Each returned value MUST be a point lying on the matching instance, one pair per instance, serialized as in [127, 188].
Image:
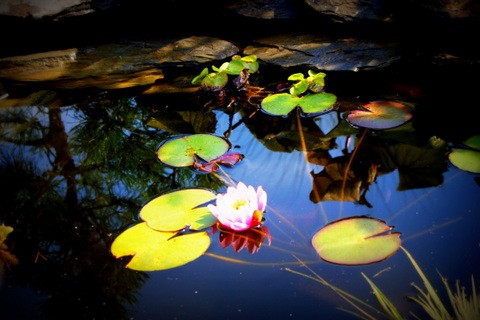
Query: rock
[312, 51]
[50, 8]
[113, 66]
[352, 10]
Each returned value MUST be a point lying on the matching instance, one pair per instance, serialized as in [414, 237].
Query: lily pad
[175, 210]
[181, 151]
[356, 241]
[380, 115]
[319, 102]
[280, 104]
[158, 250]
[467, 159]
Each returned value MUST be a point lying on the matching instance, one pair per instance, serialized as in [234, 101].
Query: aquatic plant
[467, 156]
[306, 93]
[217, 79]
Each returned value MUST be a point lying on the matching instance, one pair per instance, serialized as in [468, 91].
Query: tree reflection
[68, 192]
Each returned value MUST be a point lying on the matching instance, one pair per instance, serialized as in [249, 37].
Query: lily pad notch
[354, 241]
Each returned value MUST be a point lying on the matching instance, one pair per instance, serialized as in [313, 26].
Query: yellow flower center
[239, 203]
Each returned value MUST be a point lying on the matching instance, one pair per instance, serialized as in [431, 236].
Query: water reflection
[76, 171]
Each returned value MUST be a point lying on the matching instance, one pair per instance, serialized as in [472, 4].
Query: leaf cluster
[218, 78]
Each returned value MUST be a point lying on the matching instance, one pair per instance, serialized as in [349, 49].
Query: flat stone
[111, 66]
[312, 51]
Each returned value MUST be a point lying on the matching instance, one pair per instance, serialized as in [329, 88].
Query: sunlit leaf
[158, 250]
[250, 62]
[296, 77]
[380, 115]
[181, 152]
[299, 87]
[215, 81]
[316, 81]
[198, 79]
[234, 67]
[473, 142]
[467, 160]
[175, 210]
[356, 241]
[280, 104]
[316, 103]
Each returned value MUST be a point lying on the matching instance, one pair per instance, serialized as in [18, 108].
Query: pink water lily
[241, 208]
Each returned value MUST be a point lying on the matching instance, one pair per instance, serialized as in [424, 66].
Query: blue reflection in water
[439, 228]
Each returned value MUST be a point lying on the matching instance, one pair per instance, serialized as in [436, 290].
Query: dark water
[78, 166]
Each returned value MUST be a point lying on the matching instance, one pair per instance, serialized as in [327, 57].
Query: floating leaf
[279, 104]
[181, 152]
[380, 115]
[356, 241]
[158, 250]
[467, 159]
[175, 210]
[282, 104]
[316, 103]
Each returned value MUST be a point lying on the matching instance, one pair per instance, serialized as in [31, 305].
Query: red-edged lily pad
[158, 250]
[380, 115]
[356, 241]
[467, 159]
[183, 151]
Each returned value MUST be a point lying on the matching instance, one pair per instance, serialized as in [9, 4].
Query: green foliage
[158, 242]
[356, 241]
[182, 151]
[218, 78]
[467, 158]
[307, 93]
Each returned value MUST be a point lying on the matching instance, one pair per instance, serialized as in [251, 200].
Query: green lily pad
[157, 250]
[473, 142]
[316, 103]
[380, 115]
[356, 241]
[467, 159]
[181, 152]
[280, 104]
[175, 210]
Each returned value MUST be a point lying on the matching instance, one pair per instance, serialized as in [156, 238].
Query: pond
[78, 166]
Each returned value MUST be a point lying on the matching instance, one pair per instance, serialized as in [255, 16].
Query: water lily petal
[240, 208]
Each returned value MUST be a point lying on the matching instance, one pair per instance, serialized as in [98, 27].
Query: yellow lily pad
[158, 250]
[175, 210]
[467, 159]
[356, 241]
